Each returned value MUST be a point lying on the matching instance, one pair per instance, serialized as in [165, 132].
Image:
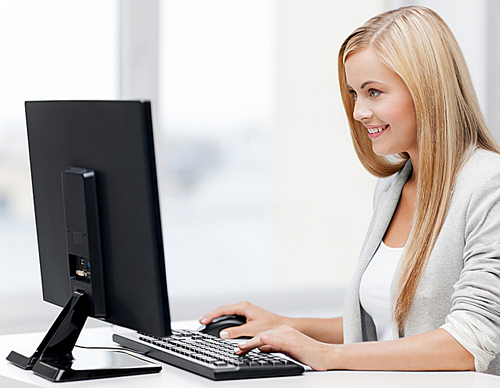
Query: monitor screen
[114, 140]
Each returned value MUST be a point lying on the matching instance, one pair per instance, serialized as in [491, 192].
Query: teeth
[377, 130]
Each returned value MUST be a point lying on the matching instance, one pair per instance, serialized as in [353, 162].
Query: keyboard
[209, 356]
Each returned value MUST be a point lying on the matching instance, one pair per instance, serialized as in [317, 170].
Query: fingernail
[203, 320]
[238, 349]
[224, 334]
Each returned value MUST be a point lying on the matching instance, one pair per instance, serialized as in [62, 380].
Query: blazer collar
[387, 206]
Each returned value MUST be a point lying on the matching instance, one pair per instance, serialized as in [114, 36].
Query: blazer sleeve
[475, 315]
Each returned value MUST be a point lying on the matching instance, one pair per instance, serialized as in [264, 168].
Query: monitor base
[54, 358]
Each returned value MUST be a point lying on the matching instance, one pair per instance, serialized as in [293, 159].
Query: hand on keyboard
[209, 356]
[293, 343]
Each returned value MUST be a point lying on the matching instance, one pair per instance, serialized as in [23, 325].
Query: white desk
[171, 377]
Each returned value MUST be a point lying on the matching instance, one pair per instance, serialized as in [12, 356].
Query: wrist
[328, 357]
[287, 321]
[334, 356]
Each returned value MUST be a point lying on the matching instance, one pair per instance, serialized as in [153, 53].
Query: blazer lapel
[387, 201]
[383, 215]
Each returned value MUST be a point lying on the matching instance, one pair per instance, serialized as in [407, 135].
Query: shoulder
[481, 166]
[481, 170]
[477, 188]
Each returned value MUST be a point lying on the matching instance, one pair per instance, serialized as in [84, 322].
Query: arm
[435, 350]
[259, 320]
[328, 330]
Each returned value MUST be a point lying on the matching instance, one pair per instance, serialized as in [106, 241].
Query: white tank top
[375, 287]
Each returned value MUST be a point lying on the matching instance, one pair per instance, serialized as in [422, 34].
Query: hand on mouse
[258, 319]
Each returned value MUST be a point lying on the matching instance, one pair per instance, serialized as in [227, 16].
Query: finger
[219, 311]
[269, 349]
[270, 343]
[235, 332]
[245, 347]
[231, 309]
[258, 341]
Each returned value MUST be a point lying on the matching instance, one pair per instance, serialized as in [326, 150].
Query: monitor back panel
[115, 139]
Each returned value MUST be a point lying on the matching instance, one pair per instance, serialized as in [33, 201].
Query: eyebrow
[367, 83]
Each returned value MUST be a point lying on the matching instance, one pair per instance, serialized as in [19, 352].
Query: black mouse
[223, 322]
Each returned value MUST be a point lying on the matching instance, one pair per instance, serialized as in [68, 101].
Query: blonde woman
[426, 293]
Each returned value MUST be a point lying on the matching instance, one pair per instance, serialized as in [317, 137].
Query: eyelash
[371, 92]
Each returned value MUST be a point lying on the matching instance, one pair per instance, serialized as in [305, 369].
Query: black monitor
[98, 227]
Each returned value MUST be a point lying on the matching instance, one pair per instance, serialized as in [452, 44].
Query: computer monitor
[98, 226]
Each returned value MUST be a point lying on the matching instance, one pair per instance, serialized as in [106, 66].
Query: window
[217, 69]
[50, 49]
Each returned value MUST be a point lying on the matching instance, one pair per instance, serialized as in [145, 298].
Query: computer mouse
[218, 324]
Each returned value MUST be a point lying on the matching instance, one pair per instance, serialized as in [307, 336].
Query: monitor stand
[54, 360]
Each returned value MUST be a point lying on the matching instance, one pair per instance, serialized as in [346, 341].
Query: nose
[361, 111]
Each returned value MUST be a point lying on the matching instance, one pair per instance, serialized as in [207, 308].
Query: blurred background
[262, 195]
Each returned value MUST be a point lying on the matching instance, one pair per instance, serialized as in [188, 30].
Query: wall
[321, 195]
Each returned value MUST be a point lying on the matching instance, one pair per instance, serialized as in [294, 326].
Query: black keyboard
[209, 356]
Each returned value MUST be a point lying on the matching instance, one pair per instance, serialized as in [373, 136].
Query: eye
[353, 94]
[374, 92]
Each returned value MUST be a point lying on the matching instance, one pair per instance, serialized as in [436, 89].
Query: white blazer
[462, 276]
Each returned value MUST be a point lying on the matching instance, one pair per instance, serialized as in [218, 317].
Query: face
[383, 104]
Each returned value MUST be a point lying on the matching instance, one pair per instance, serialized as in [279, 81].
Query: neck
[414, 161]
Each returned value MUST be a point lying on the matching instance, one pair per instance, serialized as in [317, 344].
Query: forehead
[364, 66]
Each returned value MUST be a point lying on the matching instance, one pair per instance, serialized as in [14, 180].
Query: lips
[374, 132]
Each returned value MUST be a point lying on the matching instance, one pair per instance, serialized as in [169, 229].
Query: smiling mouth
[376, 130]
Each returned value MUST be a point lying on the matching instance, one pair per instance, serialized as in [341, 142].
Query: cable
[123, 350]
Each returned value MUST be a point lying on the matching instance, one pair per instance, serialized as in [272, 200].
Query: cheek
[402, 114]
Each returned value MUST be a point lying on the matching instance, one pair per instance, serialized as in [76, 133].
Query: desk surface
[174, 377]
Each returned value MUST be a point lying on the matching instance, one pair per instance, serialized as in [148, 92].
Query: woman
[426, 293]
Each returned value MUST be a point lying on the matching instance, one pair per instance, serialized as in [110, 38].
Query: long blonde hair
[417, 44]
